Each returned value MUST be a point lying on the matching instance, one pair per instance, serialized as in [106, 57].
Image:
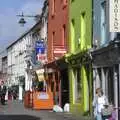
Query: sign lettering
[114, 15]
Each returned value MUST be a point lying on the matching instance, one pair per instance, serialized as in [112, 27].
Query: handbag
[107, 111]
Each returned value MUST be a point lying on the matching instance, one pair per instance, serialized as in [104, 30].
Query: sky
[10, 30]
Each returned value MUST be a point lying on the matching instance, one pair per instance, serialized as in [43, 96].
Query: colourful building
[56, 68]
[80, 36]
[106, 53]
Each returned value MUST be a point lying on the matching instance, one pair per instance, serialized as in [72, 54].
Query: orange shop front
[42, 96]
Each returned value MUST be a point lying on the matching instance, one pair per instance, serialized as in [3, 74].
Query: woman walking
[98, 103]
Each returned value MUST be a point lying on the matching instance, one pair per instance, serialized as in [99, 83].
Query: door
[64, 87]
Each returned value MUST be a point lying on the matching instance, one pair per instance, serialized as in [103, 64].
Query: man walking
[2, 92]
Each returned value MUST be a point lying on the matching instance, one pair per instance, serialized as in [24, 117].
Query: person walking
[2, 92]
[98, 103]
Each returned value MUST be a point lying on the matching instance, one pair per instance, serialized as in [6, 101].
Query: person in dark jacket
[2, 92]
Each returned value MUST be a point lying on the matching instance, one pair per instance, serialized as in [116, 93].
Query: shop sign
[114, 15]
[43, 96]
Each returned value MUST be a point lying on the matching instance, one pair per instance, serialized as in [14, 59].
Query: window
[52, 86]
[64, 3]
[72, 1]
[53, 42]
[63, 35]
[53, 7]
[110, 85]
[53, 37]
[103, 24]
[83, 30]
[72, 34]
[78, 85]
[99, 77]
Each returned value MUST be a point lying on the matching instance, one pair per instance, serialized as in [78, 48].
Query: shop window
[78, 85]
[57, 81]
[53, 8]
[110, 85]
[41, 86]
[99, 73]
[52, 86]
[103, 23]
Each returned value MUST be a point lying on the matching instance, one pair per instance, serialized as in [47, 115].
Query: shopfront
[42, 96]
[106, 72]
[80, 72]
[57, 81]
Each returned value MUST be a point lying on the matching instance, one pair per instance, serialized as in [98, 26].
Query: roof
[24, 34]
[3, 53]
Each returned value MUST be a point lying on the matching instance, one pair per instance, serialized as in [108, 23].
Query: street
[15, 110]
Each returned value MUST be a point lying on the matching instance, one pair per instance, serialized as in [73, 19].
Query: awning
[57, 64]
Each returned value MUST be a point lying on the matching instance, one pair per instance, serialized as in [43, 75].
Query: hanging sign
[114, 15]
[40, 51]
[40, 47]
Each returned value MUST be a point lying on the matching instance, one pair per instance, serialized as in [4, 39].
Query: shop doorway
[64, 87]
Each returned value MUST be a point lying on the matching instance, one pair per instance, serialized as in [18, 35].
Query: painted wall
[80, 30]
[80, 39]
[97, 29]
[56, 21]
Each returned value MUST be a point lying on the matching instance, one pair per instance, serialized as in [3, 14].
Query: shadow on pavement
[18, 117]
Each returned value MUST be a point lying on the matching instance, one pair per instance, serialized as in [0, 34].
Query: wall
[77, 42]
[97, 22]
[16, 59]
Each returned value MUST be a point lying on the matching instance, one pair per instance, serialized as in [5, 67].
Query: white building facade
[17, 63]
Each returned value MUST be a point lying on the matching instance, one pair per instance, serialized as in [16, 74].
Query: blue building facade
[105, 54]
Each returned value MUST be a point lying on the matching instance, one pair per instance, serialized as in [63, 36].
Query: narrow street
[16, 111]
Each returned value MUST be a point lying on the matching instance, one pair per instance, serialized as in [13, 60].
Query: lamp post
[22, 21]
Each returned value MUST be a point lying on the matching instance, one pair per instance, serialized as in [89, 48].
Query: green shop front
[80, 83]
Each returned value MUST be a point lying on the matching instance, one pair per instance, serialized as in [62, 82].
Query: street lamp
[22, 20]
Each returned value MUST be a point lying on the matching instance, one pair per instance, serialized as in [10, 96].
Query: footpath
[14, 110]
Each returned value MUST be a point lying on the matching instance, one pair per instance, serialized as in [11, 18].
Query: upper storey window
[53, 7]
[72, 1]
[103, 24]
[64, 3]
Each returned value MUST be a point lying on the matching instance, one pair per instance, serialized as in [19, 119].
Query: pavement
[14, 110]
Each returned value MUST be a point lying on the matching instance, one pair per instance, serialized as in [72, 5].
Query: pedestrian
[98, 103]
[2, 92]
[14, 94]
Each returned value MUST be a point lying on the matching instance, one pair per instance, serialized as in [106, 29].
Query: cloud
[10, 30]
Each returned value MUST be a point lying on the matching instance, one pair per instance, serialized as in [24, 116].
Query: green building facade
[80, 39]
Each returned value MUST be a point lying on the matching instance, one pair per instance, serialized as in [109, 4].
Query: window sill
[53, 15]
[64, 5]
